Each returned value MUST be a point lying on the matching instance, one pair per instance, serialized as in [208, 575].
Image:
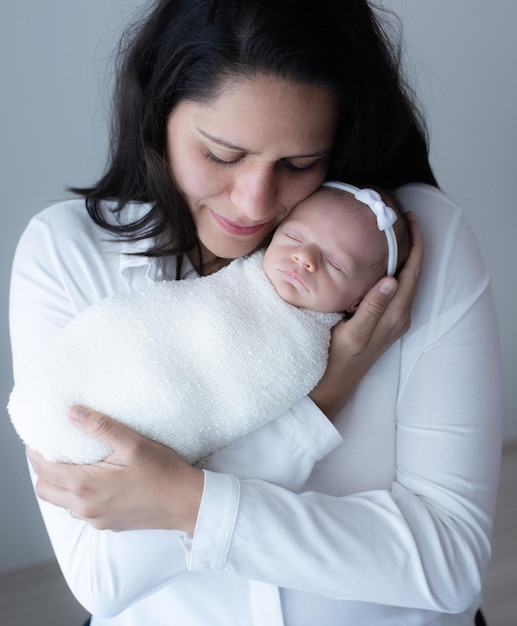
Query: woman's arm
[419, 537]
[41, 287]
[98, 565]
[282, 453]
[421, 540]
[50, 286]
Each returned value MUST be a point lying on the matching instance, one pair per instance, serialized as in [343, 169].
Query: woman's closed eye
[299, 168]
[222, 162]
[285, 163]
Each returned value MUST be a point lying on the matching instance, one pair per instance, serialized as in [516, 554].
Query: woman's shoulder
[446, 229]
[449, 240]
[63, 224]
[67, 226]
[57, 228]
[63, 245]
[72, 214]
[432, 205]
[454, 274]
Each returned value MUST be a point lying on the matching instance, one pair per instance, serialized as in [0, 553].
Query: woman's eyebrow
[230, 146]
[221, 142]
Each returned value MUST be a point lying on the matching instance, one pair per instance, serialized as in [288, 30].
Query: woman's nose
[256, 195]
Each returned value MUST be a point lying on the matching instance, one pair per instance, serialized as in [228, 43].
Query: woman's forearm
[430, 529]
[97, 563]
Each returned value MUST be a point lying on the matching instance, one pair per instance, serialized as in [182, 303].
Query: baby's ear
[351, 310]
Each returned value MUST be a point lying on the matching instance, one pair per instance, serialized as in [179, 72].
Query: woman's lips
[236, 229]
[295, 278]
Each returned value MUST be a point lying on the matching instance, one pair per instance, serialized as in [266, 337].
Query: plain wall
[55, 86]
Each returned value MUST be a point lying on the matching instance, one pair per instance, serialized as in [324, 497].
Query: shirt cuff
[313, 428]
[208, 548]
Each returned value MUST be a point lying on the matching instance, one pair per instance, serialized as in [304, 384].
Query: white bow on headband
[385, 215]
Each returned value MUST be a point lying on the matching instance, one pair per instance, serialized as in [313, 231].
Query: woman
[229, 113]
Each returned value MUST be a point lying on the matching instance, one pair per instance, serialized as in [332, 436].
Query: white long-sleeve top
[383, 517]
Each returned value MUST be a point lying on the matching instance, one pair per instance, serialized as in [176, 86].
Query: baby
[330, 251]
[232, 355]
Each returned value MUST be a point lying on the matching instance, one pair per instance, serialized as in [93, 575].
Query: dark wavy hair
[186, 49]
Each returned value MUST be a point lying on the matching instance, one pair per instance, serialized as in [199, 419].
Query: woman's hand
[383, 316]
[142, 484]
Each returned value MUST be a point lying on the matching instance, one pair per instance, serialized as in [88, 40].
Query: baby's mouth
[295, 278]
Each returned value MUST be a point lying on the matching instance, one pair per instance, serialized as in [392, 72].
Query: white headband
[386, 217]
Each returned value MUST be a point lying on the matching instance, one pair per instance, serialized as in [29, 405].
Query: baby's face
[327, 253]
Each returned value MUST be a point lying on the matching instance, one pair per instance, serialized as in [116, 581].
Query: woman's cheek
[304, 186]
[199, 180]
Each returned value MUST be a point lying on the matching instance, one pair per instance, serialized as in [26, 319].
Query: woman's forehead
[253, 113]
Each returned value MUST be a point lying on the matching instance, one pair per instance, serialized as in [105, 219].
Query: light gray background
[55, 85]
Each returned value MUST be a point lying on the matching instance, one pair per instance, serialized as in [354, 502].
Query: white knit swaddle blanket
[193, 364]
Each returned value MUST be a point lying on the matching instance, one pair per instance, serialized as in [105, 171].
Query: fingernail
[388, 287]
[78, 413]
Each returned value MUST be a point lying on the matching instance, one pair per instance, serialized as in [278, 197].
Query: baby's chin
[286, 291]
[292, 297]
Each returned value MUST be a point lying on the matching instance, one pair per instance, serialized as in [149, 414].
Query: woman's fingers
[119, 438]
[141, 484]
[57, 483]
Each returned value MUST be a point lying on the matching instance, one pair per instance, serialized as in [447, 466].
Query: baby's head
[330, 251]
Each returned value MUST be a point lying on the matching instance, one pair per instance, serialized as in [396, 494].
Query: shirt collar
[137, 270]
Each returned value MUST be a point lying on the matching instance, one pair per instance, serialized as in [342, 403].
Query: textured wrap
[193, 364]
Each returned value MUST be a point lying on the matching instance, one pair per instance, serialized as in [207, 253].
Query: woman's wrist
[184, 506]
[335, 388]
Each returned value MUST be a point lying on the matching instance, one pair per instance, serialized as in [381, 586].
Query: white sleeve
[109, 571]
[283, 451]
[424, 542]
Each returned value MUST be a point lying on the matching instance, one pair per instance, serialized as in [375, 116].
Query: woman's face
[245, 159]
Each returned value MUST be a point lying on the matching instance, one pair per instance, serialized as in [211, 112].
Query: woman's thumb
[98, 425]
